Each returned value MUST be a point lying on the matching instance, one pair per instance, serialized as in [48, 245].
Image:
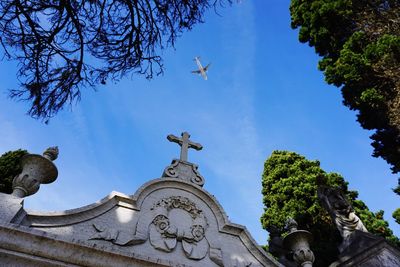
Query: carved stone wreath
[165, 231]
[175, 219]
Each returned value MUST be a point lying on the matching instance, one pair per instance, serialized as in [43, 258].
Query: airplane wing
[196, 71]
[206, 67]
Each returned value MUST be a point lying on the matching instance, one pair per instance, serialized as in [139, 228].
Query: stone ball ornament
[36, 170]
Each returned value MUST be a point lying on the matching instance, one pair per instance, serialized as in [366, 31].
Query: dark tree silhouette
[9, 168]
[63, 45]
[359, 42]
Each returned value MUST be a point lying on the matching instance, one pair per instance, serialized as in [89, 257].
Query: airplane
[202, 70]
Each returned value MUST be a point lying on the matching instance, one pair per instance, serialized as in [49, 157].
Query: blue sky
[264, 93]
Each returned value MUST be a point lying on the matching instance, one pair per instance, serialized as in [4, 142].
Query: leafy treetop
[289, 188]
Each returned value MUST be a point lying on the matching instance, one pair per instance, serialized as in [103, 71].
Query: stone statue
[342, 214]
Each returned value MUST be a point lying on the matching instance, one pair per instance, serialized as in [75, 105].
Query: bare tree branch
[64, 45]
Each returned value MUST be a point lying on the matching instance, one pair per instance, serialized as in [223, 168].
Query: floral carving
[161, 222]
[167, 230]
[197, 232]
[164, 235]
[178, 202]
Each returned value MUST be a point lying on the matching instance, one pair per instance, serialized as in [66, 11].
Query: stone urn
[298, 242]
[36, 170]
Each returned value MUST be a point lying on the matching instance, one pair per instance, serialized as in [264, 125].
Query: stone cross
[185, 144]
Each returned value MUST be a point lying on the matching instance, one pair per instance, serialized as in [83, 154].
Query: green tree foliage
[9, 168]
[359, 42]
[397, 189]
[396, 215]
[290, 184]
[62, 46]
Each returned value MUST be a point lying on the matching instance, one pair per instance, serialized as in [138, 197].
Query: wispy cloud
[234, 153]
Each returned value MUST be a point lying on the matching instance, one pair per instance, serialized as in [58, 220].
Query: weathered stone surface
[298, 243]
[36, 170]
[342, 214]
[185, 144]
[368, 250]
[23, 246]
[10, 207]
[167, 222]
[184, 170]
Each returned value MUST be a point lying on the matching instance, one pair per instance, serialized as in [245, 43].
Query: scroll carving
[185, 171]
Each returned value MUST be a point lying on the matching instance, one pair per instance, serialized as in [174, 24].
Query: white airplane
[202, 70]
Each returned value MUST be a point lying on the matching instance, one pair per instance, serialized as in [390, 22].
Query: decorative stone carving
[36, 170]
[185, 171]
[176, 220]
[216, 256]
[181, 168]
[303, 256]
[170, 221]
[298, 241]
[25, 185]
[117, 237]
[189, 229]
[342, 214]
[237, 263]
[51, 153]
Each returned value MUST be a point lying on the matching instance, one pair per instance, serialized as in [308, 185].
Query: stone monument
[342, 214]
[169, 221]
[358, 247]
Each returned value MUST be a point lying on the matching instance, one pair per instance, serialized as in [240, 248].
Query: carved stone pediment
[169, 221]
[176, 221]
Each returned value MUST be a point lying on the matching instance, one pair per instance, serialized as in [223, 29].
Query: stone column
[36, 170]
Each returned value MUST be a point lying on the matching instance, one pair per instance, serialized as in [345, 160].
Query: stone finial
[291, 225]
[275, 247]
[36, 170]
[298, 241]
[51, 153]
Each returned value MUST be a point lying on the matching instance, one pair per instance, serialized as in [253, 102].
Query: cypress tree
[289, 188]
